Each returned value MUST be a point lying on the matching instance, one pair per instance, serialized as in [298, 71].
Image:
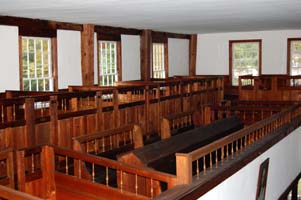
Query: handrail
[122, 170]
[224, 148]
[11, 194]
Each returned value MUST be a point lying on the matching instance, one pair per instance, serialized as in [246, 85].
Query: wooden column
[192, 54]
[146, 54]
[87, 54]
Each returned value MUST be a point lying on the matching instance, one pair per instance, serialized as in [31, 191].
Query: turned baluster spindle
[204, 165]
[79, 169]
[32, 163]
[121, 181]
[152, 189]
[197, 169]
[66, 165]
[14, 112]
[93, 172]
[107, 176]
[210, 161]
[2, 113]
[103, 144]
[136, 184]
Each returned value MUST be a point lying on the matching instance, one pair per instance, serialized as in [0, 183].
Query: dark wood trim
[290, 187]
[54, 63]
[108, 37]
[166, 63]
[231, 42]
[26, 25]
[162, 35]
[119, 61]
[109, 30]
[20, 63]
[192, 54]
[288, 59]
[146, 54]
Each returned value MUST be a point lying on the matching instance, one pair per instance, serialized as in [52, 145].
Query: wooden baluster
[95, 146]
[32, 163]
[103, 144]
[66, 165]
[152, 189]
[93, 172]
[236, 146]
[131, 137]
[210, 155]
[227, 151]
[81, 102]
[136, 184]
[197, 168]
[87, 147]
[204, 165]
[2, 113]
[232, 149]
[14, 112]
[121, 181]
[107, 176]
[79, 169]
[124, 139]
[88, 101]
[111, 143]
[222, 154]
[216, 159]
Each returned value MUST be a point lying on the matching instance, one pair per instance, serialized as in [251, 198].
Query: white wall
[95, 59]
[130, 54]
[69, 58]
[9, 57]
[284, 166]
[213, 50]
[178, 57]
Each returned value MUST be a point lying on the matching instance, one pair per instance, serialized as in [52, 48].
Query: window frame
[109, 38]
[53, 43]
[231, 42]
[289, 43]
[165, 57]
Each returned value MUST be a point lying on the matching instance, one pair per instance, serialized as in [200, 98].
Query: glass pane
[39, 72]
[47, 85]
[31, 45]
[38, 45]
[33, 85]
[45, 45]
[24, 58]
[41, 85]
[45, 58]
[38, 58]
[46, 71]
[24, 45]
[26, 85]
[31, 71]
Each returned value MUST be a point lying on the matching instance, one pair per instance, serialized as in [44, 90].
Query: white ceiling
[183, 16]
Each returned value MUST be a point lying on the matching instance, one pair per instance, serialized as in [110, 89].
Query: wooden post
[30, 122]
[99, 110]
[184, 168]
[87, 54]
[137, 136]
[53, 121]
[146, 110]
[48, 168]
[116, 108]
[165, 129]
[207, 115]
[146, 54]
[192, 54]
[21, 170]
[10, 170]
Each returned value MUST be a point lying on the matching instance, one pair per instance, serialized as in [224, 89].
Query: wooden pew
[161, 155]
[179, 122]
[110, 142]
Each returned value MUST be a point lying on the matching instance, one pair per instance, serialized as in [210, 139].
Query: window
[158, 60]
[294, 56]
[108, 63]
[245, 59]
[36, 68]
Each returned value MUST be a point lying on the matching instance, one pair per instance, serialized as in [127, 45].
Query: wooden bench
[110, 142]
[179, 122]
